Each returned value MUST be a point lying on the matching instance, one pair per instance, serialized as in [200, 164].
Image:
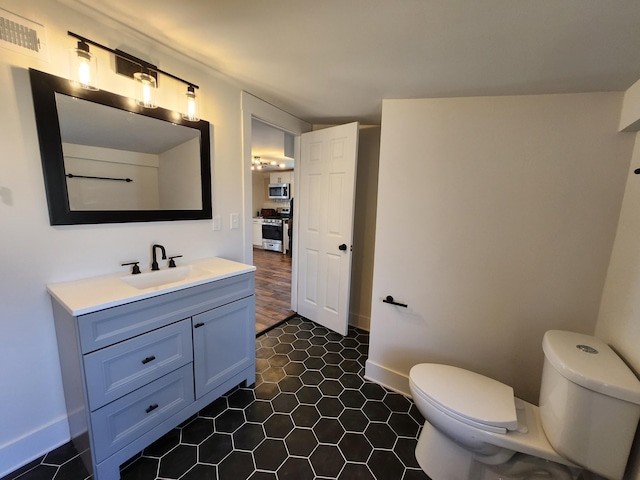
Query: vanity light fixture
[84, 67]
[144, 73]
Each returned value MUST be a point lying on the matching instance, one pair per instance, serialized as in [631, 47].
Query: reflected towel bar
[71, 175]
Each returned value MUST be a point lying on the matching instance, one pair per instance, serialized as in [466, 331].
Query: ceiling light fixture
[144, 73]
[258, 164]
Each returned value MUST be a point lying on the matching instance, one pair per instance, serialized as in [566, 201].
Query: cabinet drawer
[106, 327]
[129, 417]
[119, 369]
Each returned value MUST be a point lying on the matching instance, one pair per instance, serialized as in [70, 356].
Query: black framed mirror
[107, 160]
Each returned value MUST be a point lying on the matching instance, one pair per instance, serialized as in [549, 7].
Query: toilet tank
[589, 402]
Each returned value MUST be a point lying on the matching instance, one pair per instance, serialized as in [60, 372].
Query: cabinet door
[223, 343]
[257, 233]
[280, 177]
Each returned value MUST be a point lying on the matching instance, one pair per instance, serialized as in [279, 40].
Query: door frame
[253, 107]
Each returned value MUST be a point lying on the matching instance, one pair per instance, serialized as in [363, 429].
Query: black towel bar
[390, 300]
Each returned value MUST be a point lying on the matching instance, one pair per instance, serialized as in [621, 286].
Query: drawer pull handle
[151, 408]
[198, 325]
[148, 359]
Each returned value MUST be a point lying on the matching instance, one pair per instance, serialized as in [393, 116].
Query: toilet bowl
[476, 429]
[442, 459]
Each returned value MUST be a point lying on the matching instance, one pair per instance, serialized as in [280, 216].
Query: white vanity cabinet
[134, 371]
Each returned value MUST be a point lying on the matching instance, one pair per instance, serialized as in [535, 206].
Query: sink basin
[158, 278]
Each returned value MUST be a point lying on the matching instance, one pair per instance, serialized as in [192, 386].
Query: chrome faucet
[154, 264]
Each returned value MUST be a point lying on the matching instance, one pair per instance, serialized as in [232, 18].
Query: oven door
[271, 231]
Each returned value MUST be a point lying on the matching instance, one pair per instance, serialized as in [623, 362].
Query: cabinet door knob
[151, 408]
[148, 359]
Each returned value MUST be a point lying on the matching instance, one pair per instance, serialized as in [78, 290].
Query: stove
[272, 234]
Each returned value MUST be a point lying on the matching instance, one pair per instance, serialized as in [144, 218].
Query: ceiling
[332, 61]
[268, 147]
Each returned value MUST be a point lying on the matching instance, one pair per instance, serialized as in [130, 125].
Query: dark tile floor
[310, 415]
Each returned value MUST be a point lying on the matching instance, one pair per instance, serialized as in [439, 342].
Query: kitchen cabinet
[134, 371]
[281, 177]
[257, 232]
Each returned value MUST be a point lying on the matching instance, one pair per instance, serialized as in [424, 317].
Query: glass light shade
[191, 110]
[84, 67]
[146, 90]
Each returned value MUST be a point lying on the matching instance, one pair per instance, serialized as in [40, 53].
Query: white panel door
[325, 224]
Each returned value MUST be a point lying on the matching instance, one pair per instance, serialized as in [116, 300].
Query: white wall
[618, 322]
[496, 219]
[93, 194]
[179, 177]
[32, 411]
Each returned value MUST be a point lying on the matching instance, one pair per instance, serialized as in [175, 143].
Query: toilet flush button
[586, 349]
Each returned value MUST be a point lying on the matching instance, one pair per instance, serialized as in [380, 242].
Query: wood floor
[273, 288]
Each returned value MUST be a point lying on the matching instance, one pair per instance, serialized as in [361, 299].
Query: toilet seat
[470, 398]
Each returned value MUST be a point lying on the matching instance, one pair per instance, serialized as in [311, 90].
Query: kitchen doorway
[272, 193]
[254, 108]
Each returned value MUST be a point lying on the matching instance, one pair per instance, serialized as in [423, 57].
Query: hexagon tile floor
[310, 415]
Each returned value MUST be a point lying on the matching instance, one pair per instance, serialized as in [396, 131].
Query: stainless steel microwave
[279, 191]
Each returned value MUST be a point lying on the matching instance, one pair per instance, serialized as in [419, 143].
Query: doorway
[272, 163]
[255, 108]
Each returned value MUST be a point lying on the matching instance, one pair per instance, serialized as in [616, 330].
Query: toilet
[476, 429]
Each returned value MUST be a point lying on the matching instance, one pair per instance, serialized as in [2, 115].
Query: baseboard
[360, 321]
[19, 452]
[388, 378]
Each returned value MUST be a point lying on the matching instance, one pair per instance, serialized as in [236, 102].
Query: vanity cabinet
[134, 371]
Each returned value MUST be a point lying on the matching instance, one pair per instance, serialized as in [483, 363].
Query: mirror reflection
[118, 160]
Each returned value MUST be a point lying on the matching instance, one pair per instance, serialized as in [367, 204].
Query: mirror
[107, 160]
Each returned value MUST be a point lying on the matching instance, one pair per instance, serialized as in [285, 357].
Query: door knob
[342, 247]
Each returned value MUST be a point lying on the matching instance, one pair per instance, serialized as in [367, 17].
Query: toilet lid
[468, 396]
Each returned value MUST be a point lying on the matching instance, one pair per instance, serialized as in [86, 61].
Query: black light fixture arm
[131, 58]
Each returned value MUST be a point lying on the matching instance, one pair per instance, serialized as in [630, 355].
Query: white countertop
[89, 295]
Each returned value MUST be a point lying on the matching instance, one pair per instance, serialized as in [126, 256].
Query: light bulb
[191, 112]
[146, 90]
[84, 67]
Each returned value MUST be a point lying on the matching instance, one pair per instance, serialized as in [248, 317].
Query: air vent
[24, 36]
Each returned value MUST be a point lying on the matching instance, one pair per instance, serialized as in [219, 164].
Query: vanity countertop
[89, 295]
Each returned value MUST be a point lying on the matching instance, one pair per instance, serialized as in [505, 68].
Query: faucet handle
[172, 262]
[135, 270]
